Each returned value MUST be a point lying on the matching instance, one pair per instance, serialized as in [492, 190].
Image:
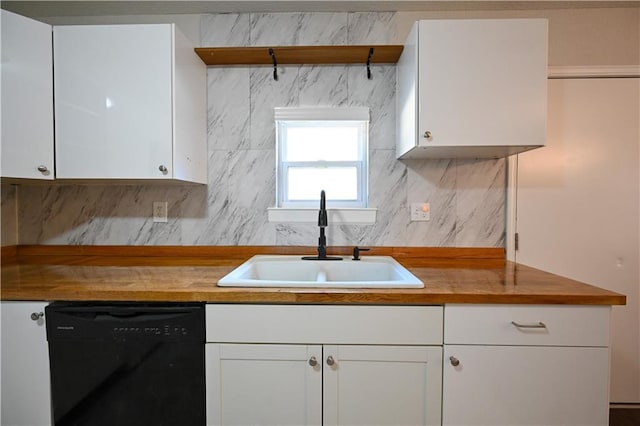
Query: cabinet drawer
[390, 325]
[527, 325]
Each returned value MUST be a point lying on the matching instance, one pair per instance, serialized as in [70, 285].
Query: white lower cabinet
[381, 385]
[26, 395]
[263, 384]
[323, 381]
[534, 365]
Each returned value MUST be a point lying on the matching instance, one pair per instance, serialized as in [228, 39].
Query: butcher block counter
[164, 273]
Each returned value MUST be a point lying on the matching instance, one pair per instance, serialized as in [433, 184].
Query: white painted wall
[578, 211]
[188, 24]
[599, 36]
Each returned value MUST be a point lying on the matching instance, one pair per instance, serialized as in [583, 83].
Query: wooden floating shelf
[288, 55]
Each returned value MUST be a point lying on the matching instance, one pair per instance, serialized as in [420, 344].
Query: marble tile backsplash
[8, 215]
[467, 197]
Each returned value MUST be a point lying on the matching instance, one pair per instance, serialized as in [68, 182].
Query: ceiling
[150, 7]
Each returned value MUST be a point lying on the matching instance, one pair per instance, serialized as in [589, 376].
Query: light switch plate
[420, 212]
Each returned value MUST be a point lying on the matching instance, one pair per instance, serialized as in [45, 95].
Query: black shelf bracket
[369, 63]
[275, 64]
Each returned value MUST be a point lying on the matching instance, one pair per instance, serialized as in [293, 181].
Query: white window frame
[285, 117]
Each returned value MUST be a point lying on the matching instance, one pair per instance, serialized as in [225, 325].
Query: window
[322, 149]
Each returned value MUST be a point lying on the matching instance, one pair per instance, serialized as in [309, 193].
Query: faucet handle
[356, 252]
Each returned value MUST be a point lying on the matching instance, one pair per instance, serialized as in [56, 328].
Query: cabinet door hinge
[516, 241]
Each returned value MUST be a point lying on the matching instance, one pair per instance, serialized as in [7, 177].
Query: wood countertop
[122, 273]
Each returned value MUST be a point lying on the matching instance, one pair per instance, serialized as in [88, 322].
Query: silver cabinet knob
[36, 315]
[43, 169]
[163, 169]
[330, 360]
[427, 135]
[454, 361]
[313, 361]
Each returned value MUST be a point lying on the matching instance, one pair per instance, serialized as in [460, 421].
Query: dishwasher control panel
[167, 330]
[125, 321]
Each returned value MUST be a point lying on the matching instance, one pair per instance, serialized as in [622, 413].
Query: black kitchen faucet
[322, 241]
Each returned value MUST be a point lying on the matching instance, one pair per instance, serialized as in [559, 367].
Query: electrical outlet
[420, 212]
[160, 211]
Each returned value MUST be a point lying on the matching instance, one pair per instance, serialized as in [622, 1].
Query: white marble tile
[206, 215]
[9, 215]
[250, 226]
[323, 86]
[64, 208]
[297, 234]
[30, 214]
[323, 29]
[267, 93]
[307, 234]
[254, 179]
[379, 95]
[387, 193]
[432, 181]
[224, 29]
[275, 29]
[480, 206]
[353, 235]
[229, 106]
[371, 27]
[251, 192]
[96, 214]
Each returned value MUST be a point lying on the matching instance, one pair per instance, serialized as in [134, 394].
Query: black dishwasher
[121, 364]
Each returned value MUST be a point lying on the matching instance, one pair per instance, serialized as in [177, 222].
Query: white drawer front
[390, 325]
[538, 325]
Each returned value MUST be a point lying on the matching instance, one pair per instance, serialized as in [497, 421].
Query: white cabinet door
[525, 385]
[331, 384]
[382, 385]
[130, 103]
[264, 384]
[27, 98]
[472, 88]
[26, 397]
[113, 100]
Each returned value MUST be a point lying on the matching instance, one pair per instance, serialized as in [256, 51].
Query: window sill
[353, 216]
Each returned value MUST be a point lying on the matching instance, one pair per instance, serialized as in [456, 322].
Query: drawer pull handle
[538, 325]
[454, 361]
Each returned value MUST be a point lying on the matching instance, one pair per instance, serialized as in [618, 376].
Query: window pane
[318, 142]
[339, 183]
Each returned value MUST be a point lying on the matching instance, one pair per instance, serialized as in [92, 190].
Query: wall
[8, 215]
[467, 197]
[577, 37]
[567, 193]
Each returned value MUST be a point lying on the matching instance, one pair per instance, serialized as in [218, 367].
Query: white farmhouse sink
[292, 271]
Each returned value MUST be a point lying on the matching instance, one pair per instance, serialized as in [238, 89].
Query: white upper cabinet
[472, 88]
[27, 98]
[130, 103]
